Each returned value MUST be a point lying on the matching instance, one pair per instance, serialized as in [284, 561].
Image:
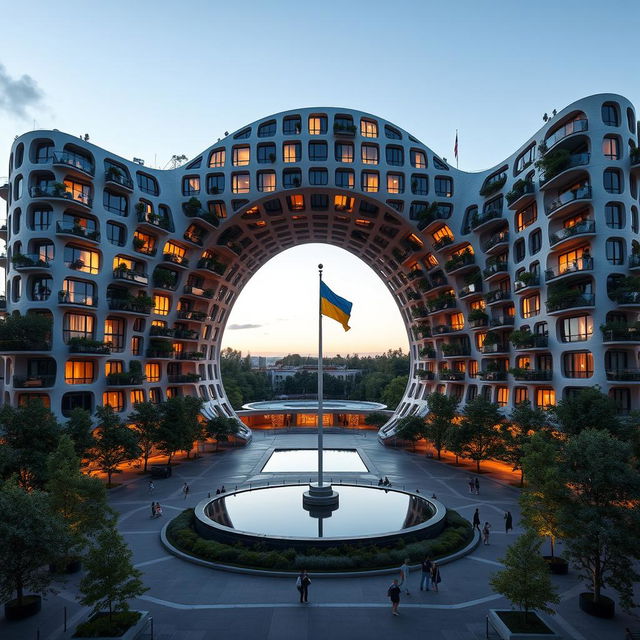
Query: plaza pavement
[190, 602]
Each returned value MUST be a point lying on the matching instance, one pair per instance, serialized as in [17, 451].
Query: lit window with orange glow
[368, 128]
[464, 251]
[523, 362]
[266, 181]
[296, 202]
[531, 306]
[113, 399]
[291, 152]
[415, 240]
[395, 183]
[162, 304]
[545, 398]
[79, 192]
[344, 152]
[473, 368]
[502, 396]
[144, 243]
[480, 338]
[520, 394]
[418, 159]
[241, 156]
[457, 321]
[481, 305]
[364, 223]
[190, 185]
[571, 260]
[121, 262]
[441, 233]
[343, 203]
[136, 396]
[317, 125]
[240, 183]
[431, 261]
[152, 371]
[526, 217]
[578, 365]
[113, 366]
[178, 347]
[173, 249]
[217, 158]
[370, 181]
[369, 154]
[79, 371]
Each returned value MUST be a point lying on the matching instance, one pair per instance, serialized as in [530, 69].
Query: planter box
[506, 634]
[557, 566]
[31, 605]
[131, 634]
[605, 608]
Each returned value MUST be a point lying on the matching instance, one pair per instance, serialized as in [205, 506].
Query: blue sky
[155, 78]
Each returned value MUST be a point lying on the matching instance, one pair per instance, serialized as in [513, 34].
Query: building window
[152, 371]
[266, 181]
[136, 345]
[114, 203]
[162, 305]
[545, 398]
[291, 178]
[344, 152]
[319, 201]
[392, 133]
[419, 185]
[266, 153]
[318, 177]
[114, 333]
[267, 129]
[114, 399]
[531, 306]
[535, 242]
[395, 182]
[295, 202]
[368, 128]
[369, 154]
[44, 153]
[612, 181]
[318, 151]
[614, 251]
[190, 185]
[81, 259]
[78, 292]
[370, 181]
[41, 288]
[41, 219]
[79, 371]
[525, 159]
[345, 178]
[610, 114]
[622, 398]
[136, 396]
[240, 183]
[291, 152]
[526, 217]
[611, 147]
[577, 328]
[502, 396]
[155, 395]
[78, 325]
[291, 126]
[578, 365]
[520, 394]
[116, 234]
[147, 184]
[217, 158]
[613, 215]
[418, 159]
[443, 186]
[395, 156]
[317, 125]
[241, 156]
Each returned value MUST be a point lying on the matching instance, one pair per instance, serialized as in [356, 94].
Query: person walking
[425, 566]
[471, 486]
[302, 584]
[394, 595]
[151, 486]
[508, 522]
[485, 532]
[153, 509]
[476, 520]
[477, 486]
[158, 510]
[435, 576]
[404, 576]
[185, 490]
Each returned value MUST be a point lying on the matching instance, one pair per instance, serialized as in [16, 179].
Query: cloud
[17, 95]
[235, 327]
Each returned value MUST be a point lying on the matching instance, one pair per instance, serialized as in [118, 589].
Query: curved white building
[150, 262]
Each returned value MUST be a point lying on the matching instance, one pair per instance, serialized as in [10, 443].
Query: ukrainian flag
[334, 306]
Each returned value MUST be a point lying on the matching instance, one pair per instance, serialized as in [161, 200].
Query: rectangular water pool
[306, 460]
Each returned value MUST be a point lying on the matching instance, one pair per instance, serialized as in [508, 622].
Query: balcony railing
[622, 375]
[197, 316]
[498, 347]
[94, 347]
[634, 261]
[575, 266]
[627, 297]
[125, 304]
[526, 188]
[449, 350]
[470, 289]
[490, 214]
[78, 230]
[492, 375]
[574, 160]
[502, 321]
[70, 297]
[154, 219]
[176, 259]
[495, 239]
[459, 261]
[75, 160]
[454, 376]
[197, 291]
[440, 329]
[620, 333]
[118, 178]
[183, 378]
[497, 295]
[575, 126]
[582, 192]
[586, 226]
[443, 242]
[210, 264]
[80, 197]
[496, 267]
[533, 342]
[533, 374]
[33, 381]
[130, 275]
[30, 260]
[583, 300]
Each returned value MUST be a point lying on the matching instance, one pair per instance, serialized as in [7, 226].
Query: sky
[155, 78]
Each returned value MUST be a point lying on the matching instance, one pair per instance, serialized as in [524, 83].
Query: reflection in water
[306, 460]
[277, 511]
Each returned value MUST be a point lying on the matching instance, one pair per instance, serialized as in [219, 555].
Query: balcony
[189, 355]
[496, 241]
[495, 269]
[33, 381]
[428, 353]
[347, 130]
[569, 129]
[624, 375]
[88, 346]
[131, 305]
[490, 217]
[460, 262]
[492, 376]
[152, 220]
[521, 195]
[455, 350]
[423, 374]
[494, 348]
[627, 298]
[74, 161]
[451, 376]
[176, 259]
[442, 243]
[526, 282]
[497, 295]
[194, 316]
[183, 378]
[78, 231]
[57, 191]
[532, 375]
[79, 299]
[214, 266]
[162, 332]
[575, 267]
[527, 342]
[124, 379]
[571, 301]
[131, 275]
[419, 312]
[29, 261]
[586, 227]
[191, 210]
[502, 322]
[569, 200]
[441, 329]
[473, 289]
[634, 261]
[116, 178]
[442, 302]
[565, 168]
[197, 292]
[11, 346]
[620, 332]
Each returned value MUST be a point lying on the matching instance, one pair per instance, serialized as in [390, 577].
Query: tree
[601, 519]
[179, 425]
[78, 499]
[454, 439]
[115, 442]
[588, 409]
[111, 579]
[32, 535]
[221, 428]
[479, 434]
[442, 411]
[394, 391]
[31, 432]
[80, 428]
[525, 579]
[145, 420]
[523, 422]
[376, 419]
[410, 428]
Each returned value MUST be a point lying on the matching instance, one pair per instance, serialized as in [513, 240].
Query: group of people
[384, 482]
[429, 577]
[156, 510]
[220, 490]
[486, 529]
[474, 486]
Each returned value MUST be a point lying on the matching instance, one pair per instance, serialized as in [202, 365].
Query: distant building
[278, 374]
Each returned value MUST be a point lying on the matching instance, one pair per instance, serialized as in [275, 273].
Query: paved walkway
[189, 602]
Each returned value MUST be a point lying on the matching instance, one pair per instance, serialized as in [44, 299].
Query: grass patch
[456, 535]
[99, 627]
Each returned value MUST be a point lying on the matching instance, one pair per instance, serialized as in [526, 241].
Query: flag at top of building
[333, 306]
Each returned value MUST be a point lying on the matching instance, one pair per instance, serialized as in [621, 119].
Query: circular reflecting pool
[277, 512]
[306, 460]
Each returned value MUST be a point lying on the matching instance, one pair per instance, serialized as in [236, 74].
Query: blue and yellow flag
[334, 306]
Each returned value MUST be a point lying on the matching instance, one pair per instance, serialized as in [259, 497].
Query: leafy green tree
[454, 439]
[410, 428]
[393, 392]
[479, 430]
[145, 420]
[442, 411]
[115, 442]
[32, 535]
[31, 432]
[179, 425]
[601, 519]
[78, 499]
[523, 422]
[80, 428]
[376, 419]
[525, 579]
[111, 579]
[221, 428]
[588, 409]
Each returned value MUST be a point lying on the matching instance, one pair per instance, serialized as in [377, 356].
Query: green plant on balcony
[160, 347]
[459, 260]
[519, 372]
[626, 289]
[423, 374]
[428, 352]
[443, 301]
[420, 311]
[527, 278]
[477, 315]
[164, 278]
[490, 339]
[493, 186]
[427, 215]
[519, 188]
[553, 163]
[113, 173]
[561, 295]
[452, 349]
[138, 243]
[192, 207]
[59, 189]
[88, 345]
[344, 128]
[635, 248]
[20, 260]
[521, 337]
[423, 330]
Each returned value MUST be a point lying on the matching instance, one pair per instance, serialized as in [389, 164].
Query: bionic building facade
[517, 283]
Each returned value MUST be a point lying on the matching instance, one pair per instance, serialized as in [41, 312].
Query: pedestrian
[153, 509]
[476, 520]
[386, 482]
[508, 522]
[477, 485]
[471, 489]
[425, 565]
[404, 575]
[435, 577]
[380, 482]
[185, 490]
[158, 510]
[485, 532]
[151, 486]
[303, 583]
[218, 491]
[394, 596]
[223, 490]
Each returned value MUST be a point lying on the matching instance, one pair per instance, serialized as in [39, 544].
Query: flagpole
[320, 380]
[457, 149]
